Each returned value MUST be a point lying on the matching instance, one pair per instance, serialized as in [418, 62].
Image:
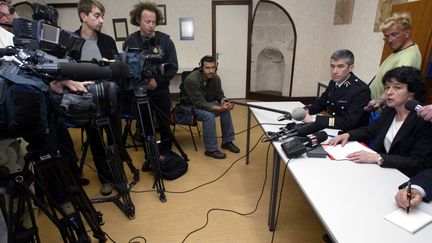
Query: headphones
[207, 58]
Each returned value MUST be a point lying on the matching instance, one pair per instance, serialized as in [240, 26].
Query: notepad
[411, 222]
[339, 153]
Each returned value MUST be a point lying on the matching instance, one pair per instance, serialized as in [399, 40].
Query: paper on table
[411, 222]
[339, 153]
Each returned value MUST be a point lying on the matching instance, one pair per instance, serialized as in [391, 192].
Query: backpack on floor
[172, 165]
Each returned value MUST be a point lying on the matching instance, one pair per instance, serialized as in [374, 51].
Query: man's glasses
[393, 35]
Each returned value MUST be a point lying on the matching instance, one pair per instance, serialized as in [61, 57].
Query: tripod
[65, 197]
[115, 167]
[150, 145]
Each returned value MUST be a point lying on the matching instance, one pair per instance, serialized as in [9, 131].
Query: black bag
[172, 165]
[23, 108]
[183, 115]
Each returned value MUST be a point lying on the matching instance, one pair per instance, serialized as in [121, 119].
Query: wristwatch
[380, 161]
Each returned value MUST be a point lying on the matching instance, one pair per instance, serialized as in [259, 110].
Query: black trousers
[160, 106]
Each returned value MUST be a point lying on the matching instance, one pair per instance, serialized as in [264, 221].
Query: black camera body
[144, 64]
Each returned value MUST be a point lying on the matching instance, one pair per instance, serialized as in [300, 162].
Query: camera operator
[43, 142]
[147, 16]
[98, 46]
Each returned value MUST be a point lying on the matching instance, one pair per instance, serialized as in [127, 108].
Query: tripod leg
[70, 201]
[116, 169]
[150, 146]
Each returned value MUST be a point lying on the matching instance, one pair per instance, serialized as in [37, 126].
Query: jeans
[209, 127]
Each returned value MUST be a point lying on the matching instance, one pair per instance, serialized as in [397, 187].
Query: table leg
[248, 135]
[274, 191]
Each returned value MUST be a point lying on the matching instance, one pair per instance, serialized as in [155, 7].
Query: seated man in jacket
[344, 98]
[202, 88]
[421, 189]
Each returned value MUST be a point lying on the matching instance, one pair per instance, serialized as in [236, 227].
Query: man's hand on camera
[152, 85]
[74, 86]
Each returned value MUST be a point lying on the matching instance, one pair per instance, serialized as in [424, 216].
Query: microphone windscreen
[412, 105]
[299, 114]
[309, 129]
[120, 70]
[83, 71]
[321, 136]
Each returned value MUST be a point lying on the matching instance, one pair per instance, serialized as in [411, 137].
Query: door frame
[249, 33]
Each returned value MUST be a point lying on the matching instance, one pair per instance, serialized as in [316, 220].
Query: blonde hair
[403, 18]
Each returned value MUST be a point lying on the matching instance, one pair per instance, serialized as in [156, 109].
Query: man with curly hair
[147, 16]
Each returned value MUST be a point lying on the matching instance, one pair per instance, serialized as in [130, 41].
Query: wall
[317, 36]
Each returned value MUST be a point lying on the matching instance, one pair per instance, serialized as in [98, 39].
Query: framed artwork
[120, 29]
[162, 8]
[343, 12]
[384, 11]
[187, 28]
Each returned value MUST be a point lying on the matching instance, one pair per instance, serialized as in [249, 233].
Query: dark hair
[207, 58]
[135, 13]
[343, 54]
[410, 76]
[85, 6]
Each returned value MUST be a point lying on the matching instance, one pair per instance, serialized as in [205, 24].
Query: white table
[350, 199]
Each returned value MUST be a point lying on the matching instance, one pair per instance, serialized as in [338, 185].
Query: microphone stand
[286, 113]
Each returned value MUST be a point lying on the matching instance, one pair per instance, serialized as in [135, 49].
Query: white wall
[317, 37]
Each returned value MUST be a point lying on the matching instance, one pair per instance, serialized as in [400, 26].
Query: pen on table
[409, 197]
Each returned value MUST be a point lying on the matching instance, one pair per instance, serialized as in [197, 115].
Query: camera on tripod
[144, 64]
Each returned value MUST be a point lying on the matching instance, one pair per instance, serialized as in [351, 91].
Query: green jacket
[202, 94]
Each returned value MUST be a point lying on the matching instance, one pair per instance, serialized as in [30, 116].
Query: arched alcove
[273, 50]
[270, 71]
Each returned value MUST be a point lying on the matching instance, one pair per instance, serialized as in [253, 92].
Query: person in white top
[401, 139]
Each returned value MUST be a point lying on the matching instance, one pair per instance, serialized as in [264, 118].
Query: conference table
[350, 199]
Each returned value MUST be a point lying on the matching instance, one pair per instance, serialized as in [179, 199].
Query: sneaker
[106, 189]
[231, 147]
[215, 154]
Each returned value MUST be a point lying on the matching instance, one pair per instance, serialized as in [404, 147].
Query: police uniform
[343, 104]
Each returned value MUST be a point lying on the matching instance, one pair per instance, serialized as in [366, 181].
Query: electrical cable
[233, 211]
[214, 180]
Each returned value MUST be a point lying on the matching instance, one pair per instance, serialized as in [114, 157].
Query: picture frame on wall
[162, 8]
[121, 31]
[187, 28]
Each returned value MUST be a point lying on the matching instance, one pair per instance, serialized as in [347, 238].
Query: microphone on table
[300, 131]
[299, 146]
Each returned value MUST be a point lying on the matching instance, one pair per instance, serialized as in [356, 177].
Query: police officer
[344, 98]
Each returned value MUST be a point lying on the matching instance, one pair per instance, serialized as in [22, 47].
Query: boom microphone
[120, 70]
[287, 115]
[84, 71]
[413, 105]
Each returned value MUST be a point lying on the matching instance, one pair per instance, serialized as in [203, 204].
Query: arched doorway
[272, 55]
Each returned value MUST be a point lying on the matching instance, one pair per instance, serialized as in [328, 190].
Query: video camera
[40, 57]
[144, 64]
